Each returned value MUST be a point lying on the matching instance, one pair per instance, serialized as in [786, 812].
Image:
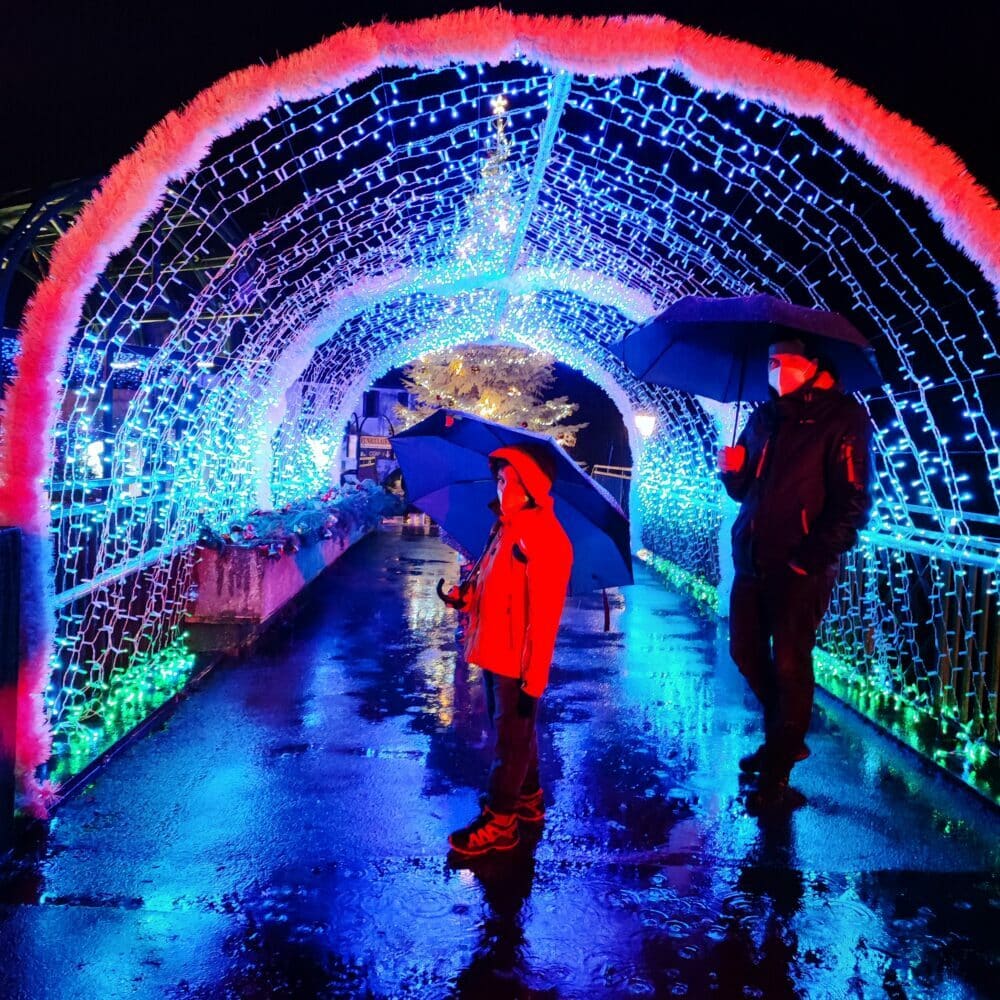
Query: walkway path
[283, 835]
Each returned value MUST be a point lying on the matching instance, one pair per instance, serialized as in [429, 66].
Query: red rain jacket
[516, 593]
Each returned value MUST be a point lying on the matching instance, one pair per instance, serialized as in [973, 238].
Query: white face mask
[790, 373]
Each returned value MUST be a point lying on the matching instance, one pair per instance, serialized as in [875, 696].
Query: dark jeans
[515, 755]
[773, 618]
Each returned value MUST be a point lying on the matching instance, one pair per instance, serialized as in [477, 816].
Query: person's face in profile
[510, 490]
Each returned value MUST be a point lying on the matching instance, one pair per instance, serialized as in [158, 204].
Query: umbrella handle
[450, 601]
[739, 394]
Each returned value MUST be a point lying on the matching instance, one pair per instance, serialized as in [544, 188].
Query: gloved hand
[731, 459]
[525, 704]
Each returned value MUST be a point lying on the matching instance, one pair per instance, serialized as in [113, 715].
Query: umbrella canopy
[446, 471]
[718, 347]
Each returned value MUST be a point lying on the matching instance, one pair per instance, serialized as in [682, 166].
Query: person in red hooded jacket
[514, 598]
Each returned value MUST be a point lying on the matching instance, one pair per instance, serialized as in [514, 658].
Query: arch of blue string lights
[412, 211]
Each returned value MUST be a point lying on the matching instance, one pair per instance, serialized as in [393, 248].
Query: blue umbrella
[717, 347]
[445, 464]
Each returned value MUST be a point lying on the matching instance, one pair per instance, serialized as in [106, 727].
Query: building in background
[367, 451]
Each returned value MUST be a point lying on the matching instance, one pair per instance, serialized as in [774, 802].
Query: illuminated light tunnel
[300, 229]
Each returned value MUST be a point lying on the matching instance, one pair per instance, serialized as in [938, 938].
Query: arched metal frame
[677, 163]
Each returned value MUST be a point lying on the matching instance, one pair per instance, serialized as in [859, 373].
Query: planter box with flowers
[246, 575]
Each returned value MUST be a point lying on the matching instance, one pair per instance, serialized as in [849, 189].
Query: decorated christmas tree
[488, 225]
[505, 384]
[501, 383]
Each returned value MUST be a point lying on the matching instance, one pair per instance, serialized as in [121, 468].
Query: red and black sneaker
[489, 831]
[528, 808]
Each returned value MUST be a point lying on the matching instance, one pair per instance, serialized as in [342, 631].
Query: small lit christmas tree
[492, 212]
[505, 384]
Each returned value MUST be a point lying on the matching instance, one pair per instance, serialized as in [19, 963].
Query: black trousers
[515, 753]
[773, 618]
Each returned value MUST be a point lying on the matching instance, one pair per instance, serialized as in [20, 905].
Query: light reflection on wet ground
[284, 833]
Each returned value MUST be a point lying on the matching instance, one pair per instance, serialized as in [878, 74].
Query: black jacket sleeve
[737, 484]
[848, 497]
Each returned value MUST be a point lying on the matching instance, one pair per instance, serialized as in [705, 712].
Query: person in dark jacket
[800, 471]
[514, 598]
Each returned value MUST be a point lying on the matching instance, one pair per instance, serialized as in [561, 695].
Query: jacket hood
[537, 481]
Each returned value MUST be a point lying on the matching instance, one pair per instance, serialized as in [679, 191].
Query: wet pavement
[283, 833]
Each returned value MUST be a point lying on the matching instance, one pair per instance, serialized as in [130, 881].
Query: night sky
[81, 82]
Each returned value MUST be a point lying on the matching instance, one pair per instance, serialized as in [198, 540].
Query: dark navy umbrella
[717, 347]
[445, 464]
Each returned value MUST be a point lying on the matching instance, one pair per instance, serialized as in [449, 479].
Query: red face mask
[788, 372]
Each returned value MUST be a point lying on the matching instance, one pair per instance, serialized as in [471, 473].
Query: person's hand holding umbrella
[453, 597]
[731, 458]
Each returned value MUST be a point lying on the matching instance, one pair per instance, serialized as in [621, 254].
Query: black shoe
[754, 762]
[757, 761]
[773, 794]
[489, 831]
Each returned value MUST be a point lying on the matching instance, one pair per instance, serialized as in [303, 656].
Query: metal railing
[612, 471]
[916, 615]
